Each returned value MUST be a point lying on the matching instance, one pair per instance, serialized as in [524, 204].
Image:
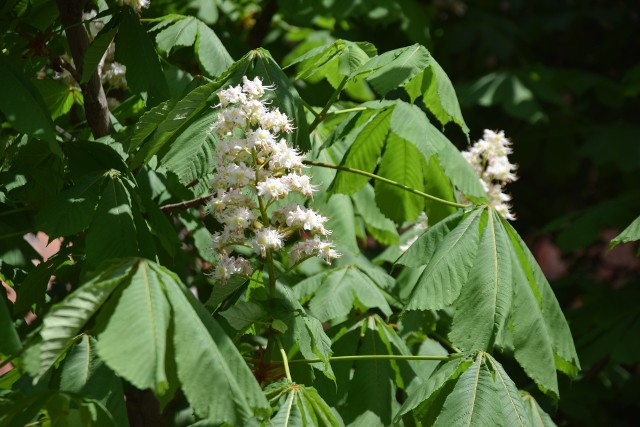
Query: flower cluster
[488, 158]
[255, 169]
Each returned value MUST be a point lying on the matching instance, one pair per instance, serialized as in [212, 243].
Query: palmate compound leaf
[416, 70]
[298, 405]
[368, 395]
[397, 142]
[179, 30]
[486, 272]
[213, 375]
[155, 326]
[333, 294]
[67, 318]
[468, 392]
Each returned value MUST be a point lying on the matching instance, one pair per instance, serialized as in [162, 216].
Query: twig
[175, 207]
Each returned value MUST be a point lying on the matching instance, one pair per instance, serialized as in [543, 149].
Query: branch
[95, 101]
[386, 181]
[174, 207]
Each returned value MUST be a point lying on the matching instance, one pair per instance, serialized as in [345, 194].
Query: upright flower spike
[488, 158]
[255, 167]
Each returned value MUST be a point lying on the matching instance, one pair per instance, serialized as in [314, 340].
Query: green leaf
[422, 250]
[10, 343]
[536, 416]
[629, 234]
[380, 378]
[304, 331]
[421, 399]
[96, 50]
[172, 123]
[336, 292]
[334, 62]
[207, 360]
[84, 373]
[402, 163]
[300, 405]
[190, 155]
[112, 233]
[541, 336]
[182, 32]
[243, 314]
[438, 184]
[379, 226]
[484, 303]
[71, 211]
[447, 271]
[135, 50]
[132, 330]
[58, 96]
[415, 69]
[395, 68]
[286, 97]
[67, 318]
[363, 153]
[211, 53]
[472, 401]
[148, 123]
[23, 106]
[513, 408]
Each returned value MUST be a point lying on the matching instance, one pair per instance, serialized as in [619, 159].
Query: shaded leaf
[132, 330]
[67, 318]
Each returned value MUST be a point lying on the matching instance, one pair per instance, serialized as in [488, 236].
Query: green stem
[309, 107]
[323, 114]
[387, 181]
[285, 360]
[346, 110]
[375, 357]
[442, 340]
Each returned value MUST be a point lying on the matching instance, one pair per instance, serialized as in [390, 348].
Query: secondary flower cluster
[488, 158]
[255, 169]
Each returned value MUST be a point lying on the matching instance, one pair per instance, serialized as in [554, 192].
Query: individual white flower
[228, 265]
[260, 138]
[266, 239]
[307, 219]
[283, 156]
[253, 87]
[314, 247]
[300, 184]
[273, 188]
[231, 95]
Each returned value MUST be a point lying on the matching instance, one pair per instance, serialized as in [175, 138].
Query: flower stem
[323, 114]
[386, 181]
[285, 360]
[374, 357]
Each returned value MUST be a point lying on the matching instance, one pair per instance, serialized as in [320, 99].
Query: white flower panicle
[255, 167]
[488, 158]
